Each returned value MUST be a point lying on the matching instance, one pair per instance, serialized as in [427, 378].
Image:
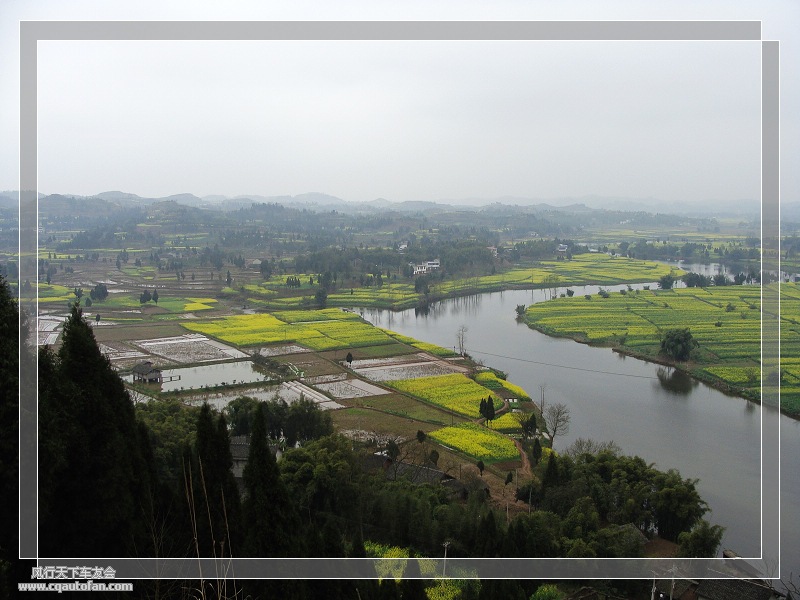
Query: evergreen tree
[490, 413]
[95, 484]
[11, 353]
[212, 495]
[272, 523]
[537, 451]
[551, 474]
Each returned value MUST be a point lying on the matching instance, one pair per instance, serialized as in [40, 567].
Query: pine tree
[551, 474]
[12, 570]
[212, 495]
[94, 478]
[272, 523]
[537, 451]
[490, 413]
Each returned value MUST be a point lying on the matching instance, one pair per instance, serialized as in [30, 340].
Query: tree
[305, 421]
[99, 292]
[392, 449]
[481, 467]
[547, 591]
[228, 279]
[95, 483]
[490, 412]
[321, 297]
[720, 279]
[155, 296]
[212, 495]
[676, 504]
[461, 340]
[11, 351]
[701, 542]
[145, 297]
[551, 282]
[666, 282]
[272, 522]
[557, 419]
[537, 451]
[349, 358]
[696, 280]
[678, 343]
[421, 436]
[240, 413]
[551, 474]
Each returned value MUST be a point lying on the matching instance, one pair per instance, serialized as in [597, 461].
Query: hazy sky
[404, 120]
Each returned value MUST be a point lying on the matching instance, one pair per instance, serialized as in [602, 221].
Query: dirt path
[526, 463]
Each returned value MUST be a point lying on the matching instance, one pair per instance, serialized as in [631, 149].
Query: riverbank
[724, 321]
[693, 370]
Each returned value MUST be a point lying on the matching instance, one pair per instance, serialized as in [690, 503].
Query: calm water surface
[648, 410]
[243, 371]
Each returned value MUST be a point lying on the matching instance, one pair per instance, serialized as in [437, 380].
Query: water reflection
[675, 381]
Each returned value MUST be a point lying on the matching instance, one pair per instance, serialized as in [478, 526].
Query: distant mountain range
[319, 201]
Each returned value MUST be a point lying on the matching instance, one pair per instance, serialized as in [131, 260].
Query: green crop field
[477, 441]
[339, 330]
[493, 382]
[455, 392]
[725, 321]
[507, 423]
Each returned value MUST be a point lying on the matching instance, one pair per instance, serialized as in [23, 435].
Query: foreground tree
[11, 354]
[271, 520]
[96, 487]
[212, 496]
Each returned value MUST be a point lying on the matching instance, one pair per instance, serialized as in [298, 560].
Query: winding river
[655, 412]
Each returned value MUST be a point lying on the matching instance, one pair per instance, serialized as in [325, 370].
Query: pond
[225, 373]
[655, 412]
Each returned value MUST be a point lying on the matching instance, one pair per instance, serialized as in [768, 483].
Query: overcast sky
[676, 121]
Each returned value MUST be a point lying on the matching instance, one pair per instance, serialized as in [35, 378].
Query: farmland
[477, 442]
[725, 322]
[329, 330]
[455, 392]
[583, 269]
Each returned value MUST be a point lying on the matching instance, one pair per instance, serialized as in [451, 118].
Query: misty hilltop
[746, 208]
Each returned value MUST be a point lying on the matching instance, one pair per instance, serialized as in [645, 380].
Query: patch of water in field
[228, 373]
[648, 410]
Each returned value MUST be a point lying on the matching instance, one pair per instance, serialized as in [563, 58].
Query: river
[655, 412]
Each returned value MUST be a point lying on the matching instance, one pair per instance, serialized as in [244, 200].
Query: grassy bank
[725, 321]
